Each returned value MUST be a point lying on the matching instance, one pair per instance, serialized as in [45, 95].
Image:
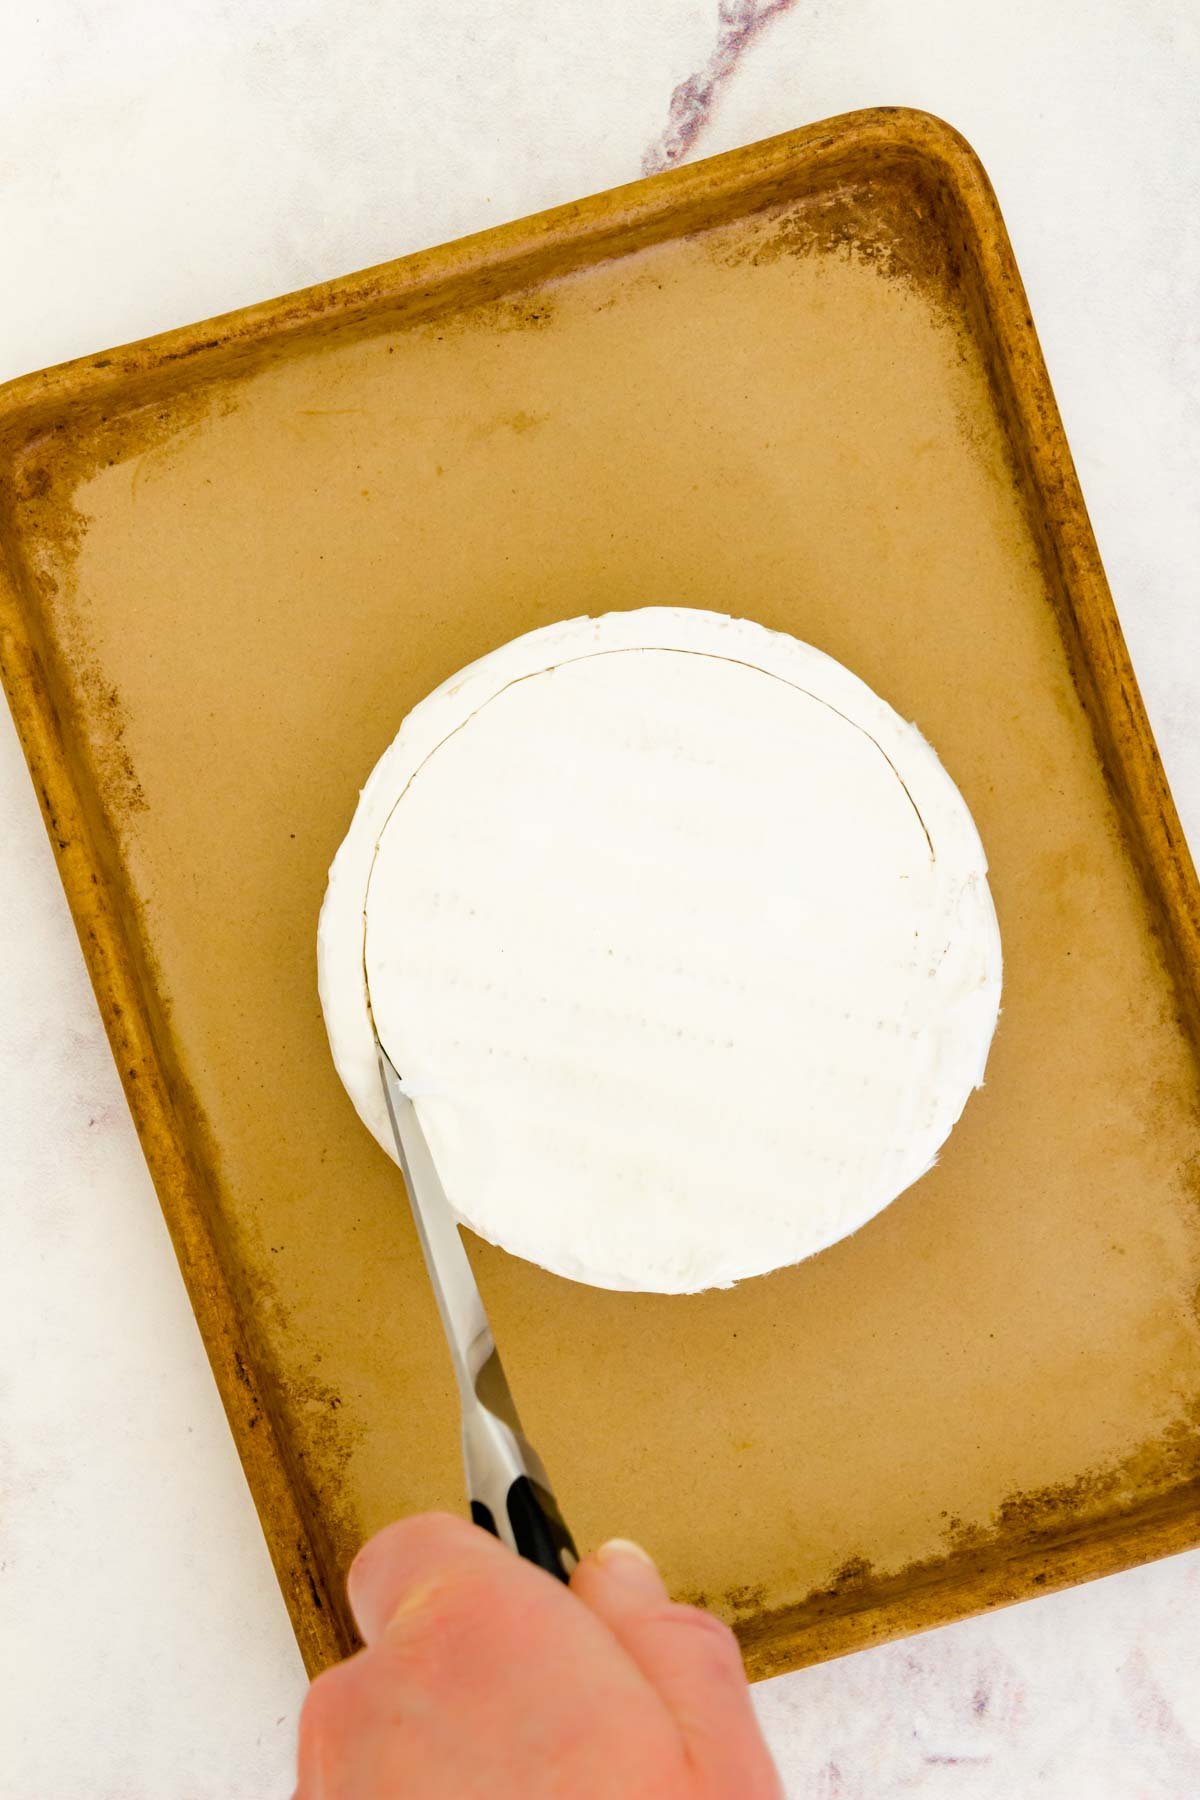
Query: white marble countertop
[162, 163]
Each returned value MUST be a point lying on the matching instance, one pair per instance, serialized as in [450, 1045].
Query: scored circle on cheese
[680, 938]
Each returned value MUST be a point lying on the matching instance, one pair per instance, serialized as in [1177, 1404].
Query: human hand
[483, 1676]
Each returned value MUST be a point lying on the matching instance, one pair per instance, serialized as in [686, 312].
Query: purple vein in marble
[739, 22]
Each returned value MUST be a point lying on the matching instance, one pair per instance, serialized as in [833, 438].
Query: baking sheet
[797, 383]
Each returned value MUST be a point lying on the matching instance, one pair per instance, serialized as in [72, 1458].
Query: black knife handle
[539, 1531]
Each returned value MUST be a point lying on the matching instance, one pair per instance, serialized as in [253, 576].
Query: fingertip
[398, 1538]
[391, 1570]
[619, 1577]
[619, 1552]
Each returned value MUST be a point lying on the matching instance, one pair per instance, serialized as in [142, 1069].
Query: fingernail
[630, 1566]
[624, 1550]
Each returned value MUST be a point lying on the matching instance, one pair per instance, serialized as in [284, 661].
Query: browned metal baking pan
[799, 383]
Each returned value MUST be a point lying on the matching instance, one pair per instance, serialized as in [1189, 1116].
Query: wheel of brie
[679, 937]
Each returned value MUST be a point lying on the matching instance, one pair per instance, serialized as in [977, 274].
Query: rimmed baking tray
[798, 382]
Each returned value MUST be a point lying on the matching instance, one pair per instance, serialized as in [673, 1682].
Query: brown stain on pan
[1035, 1543]
[857, 1607]
[898, 239]
[799, 383]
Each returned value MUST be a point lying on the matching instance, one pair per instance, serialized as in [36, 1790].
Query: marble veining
[739, 23]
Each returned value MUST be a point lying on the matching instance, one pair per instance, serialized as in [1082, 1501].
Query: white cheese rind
[681, 939]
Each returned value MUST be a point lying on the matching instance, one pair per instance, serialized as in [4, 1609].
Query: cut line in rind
[627, 650]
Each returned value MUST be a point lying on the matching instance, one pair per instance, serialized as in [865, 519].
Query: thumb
[694, 1665]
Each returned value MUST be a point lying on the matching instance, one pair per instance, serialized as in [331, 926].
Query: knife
[507, 1485]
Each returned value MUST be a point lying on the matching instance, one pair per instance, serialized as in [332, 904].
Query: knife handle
[539, 1531]
[509, 1493]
